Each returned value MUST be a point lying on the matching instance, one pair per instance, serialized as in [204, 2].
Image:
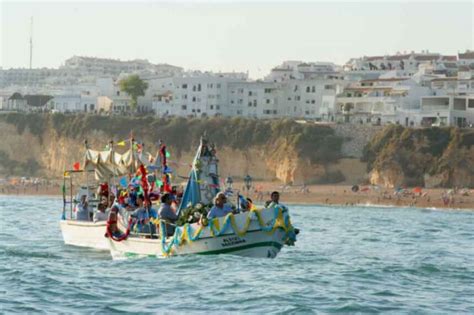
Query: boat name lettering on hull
[230, 241]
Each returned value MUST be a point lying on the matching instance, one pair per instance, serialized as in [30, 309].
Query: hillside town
[415, 89]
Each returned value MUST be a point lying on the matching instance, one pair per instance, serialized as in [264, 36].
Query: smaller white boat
[105, 165]
[85, 234]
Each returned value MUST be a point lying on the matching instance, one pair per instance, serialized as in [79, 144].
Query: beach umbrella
[417, 190]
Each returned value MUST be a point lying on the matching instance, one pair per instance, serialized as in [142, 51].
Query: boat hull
[85, 234]
[241, 234]
[254, 244]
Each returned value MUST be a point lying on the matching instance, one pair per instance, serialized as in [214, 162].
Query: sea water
[346, 260]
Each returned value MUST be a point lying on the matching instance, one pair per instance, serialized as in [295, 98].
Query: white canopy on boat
[109, 163]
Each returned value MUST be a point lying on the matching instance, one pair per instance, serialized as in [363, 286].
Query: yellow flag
[121, 143]
[66, 174]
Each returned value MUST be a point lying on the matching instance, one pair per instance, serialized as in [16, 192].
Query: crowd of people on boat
[132, 204]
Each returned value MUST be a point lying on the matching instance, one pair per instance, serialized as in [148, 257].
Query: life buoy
[120, 238]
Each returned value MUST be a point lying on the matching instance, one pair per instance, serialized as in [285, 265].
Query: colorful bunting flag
[121, 143]
[123, 182]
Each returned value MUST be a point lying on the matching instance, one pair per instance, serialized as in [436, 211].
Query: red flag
[76, 166]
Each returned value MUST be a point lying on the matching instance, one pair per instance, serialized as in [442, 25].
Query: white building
[203, 94]
[299, 70]
[114, 67]
[466, 58]
[254, 99]
[383, 100]
[447, 110]
[407, 62]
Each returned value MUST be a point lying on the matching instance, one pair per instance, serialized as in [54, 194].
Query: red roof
[467, 55]
[374, 58]
[426, 57]
[385, 80]
[398, 57]
[449, 58]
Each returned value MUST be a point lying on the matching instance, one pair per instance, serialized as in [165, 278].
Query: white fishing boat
[257, 233]
[85, 234]
[105, 166]
[254, 233]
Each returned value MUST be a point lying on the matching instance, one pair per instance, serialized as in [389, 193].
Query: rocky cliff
[433, 157]
[268, 150]
[283, 150]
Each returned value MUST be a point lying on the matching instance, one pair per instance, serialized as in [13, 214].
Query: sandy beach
[318, 194]
[368, 195]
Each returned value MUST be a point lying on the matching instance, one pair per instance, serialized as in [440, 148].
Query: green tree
[135, 87]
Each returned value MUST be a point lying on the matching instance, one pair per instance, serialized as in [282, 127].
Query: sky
[229, 35]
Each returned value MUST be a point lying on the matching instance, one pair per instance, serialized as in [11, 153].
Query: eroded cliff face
[56, 153]
[435, 157]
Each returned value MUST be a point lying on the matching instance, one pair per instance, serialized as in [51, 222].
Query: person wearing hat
[220, 208]
[167, 213]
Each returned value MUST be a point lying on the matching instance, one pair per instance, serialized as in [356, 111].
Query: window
[295, 88]
[218, 85]
[184, 86]
[470, 103]
[198, 110]
[199, 87]
[250, 104]
[289, 98]
[212, 106]
[313, 102]
[268, 101]
[218, 107]
[254, 103]
[308, 89]
[194, 88]
[266, 91]
[185, 96]
[313, 89]
[250, 93]
[297, 98]
[274, 111]
[194, 98]
[184, 107]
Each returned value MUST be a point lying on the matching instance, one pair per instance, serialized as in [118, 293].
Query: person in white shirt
[220, 208]
[101, 214]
